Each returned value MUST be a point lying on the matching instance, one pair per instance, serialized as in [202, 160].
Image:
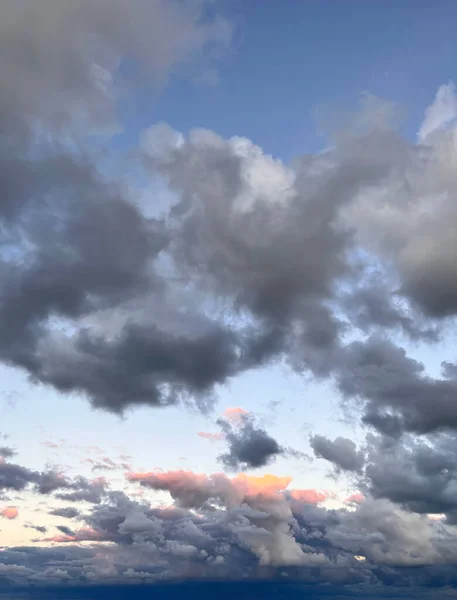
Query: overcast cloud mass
[335, 264]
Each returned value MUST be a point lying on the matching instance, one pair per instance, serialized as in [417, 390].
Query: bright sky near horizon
[227, 340]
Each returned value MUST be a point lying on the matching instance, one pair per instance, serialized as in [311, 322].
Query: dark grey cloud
[417, 473]
[376, 304]
[253, 261]
[39, 528]
[68, 512]
[15, 477]
[18, 478]
[62, 220]
[342, 452]
[84, 490]
[398, 394]
[6, 452]
[250, 446]
[65, 530]
[248, 265]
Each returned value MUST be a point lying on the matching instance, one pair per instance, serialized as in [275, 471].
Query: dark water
[264, 590]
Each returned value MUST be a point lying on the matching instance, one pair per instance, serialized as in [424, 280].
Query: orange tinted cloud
[191, 489]
[265, 484]
[11, 512]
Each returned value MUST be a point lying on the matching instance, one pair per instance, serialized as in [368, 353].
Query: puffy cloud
[10, 512]
[441, 112]
[355, 498]
[85, 490]
[234, 415]
[17, 477]
[49, 176]
[342, 452]
[272, 246]
[417, 473]
[250, 446]
[6, 452]
[397, 392]
[77, 46]
[68, 512]
[85, 534]
[244, 527]
[308, 496]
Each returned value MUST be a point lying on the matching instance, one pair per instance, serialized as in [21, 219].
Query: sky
[227, 253]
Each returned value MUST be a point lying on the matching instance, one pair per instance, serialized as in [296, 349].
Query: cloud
[396, 391]
[78, 46]
[50, 444]
[192, 490]
[441, 113]
[65, 530]
[270, 245]
[250, 446]
[68, 512]
[84, 490]
[308, 496]
[85, 534]
[355, 498]
[213, 437]
[6, 452]
[234, 415]
[342, 452]
[254, 260]
[243, 527]
[82, 47]
[10, 512]
[414, 472]
[40, 528]
[16, 477]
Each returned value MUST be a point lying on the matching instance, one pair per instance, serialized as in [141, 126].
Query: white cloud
[441, 112]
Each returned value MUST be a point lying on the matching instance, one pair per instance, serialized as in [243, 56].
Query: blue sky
[292, 61]
[291, 73]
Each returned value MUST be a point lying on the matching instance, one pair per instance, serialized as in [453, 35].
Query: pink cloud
[213, 437]
[234, 414]
[309, 496]
[11, 512]
[85, 534]
[49, 444]
[191, 489]
[356, 498]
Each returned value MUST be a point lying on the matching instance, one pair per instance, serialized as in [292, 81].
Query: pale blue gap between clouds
[288, 59]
